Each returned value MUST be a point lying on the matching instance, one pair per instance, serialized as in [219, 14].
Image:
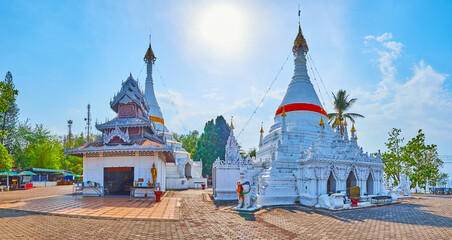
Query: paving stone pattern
[424, 217]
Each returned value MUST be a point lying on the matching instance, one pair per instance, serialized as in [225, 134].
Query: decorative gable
[130, 93]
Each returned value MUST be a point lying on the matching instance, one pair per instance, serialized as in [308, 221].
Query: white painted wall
[226, 178]
[93, 168]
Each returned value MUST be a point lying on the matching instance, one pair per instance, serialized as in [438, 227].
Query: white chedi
[302, 159]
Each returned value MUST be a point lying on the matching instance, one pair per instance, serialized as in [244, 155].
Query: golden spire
[262, 128]
[283, 114]
[353, 128]
[232, 125]
[356, 136]
[338, 122]
[321, 123]
[300, 41]
[345, 122]
[149, 56]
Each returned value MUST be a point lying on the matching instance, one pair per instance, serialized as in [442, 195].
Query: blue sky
[219, 57]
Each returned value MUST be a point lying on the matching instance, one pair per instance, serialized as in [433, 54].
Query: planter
[355, 201]
[158, 194]
[203, 186]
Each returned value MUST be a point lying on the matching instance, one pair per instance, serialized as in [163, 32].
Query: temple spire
[283, 126]
[231, 127]
[300, 41]
[155, 113]
[149, 56]
[300, 96]
[261, 139]
[345, 130]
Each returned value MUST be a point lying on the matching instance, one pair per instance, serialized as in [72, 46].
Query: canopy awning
[26, 173]
[8, 173]
[46, 170]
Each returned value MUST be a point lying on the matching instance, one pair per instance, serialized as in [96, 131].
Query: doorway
[370, 185]
[118, 180]
[188, 170]
[351, 181]
[331, 184]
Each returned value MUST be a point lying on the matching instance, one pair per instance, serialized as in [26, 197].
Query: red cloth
[301, 107]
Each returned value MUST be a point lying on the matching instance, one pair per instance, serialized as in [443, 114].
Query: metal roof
[46, 170]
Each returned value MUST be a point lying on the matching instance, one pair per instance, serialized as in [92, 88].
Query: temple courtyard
[52, 213]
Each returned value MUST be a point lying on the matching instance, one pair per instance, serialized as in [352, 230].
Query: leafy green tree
[188, 141]
[393, 159]
[9, 118]
[36, 147]
[422, 160]
[7, 97]
[341, 105]
[5, 159]
[252, 153]
[211, 144]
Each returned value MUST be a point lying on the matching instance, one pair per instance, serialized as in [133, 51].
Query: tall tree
[9, 118]
[422, 160]
[341, 105]
[211, 144]
[36, 147]
[188, 141]
[5, 159]
[7, 97]
[393, 159]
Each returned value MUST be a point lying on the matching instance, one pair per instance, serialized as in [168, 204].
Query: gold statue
[154, 174]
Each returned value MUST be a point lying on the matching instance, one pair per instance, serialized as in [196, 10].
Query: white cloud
[420, 102]
[388, 52]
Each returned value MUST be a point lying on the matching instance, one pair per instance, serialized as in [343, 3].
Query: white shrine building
[136, 141]
[301, 158]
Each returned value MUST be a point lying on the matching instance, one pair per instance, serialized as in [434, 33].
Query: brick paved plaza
[424, 217]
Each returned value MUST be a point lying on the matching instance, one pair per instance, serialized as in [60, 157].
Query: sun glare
[221, 27]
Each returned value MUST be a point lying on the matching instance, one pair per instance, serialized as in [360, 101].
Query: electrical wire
[317, 83]
[326, 91]
[265, 95]
[169, 97]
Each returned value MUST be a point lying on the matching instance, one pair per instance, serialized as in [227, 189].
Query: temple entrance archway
[351, 181]
[188, 170]
[331, 184]
[370, 185]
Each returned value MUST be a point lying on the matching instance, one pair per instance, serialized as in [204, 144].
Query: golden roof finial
[149, 56]
[338, 121]
[321, 123]
[232, 125]
[262, 128]
[356, 136]
[345, 122]
[300, 41]
[283, 114]
[353, 128]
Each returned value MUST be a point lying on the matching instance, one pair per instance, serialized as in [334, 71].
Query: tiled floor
[112, 207]
[198, 217]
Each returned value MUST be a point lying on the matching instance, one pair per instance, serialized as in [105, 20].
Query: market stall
[9, 179]
[26, 179]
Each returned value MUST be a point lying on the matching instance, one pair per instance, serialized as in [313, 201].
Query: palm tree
[341, 105]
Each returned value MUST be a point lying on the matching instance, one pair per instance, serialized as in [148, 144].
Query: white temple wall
[226, 178]
[93, 168]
